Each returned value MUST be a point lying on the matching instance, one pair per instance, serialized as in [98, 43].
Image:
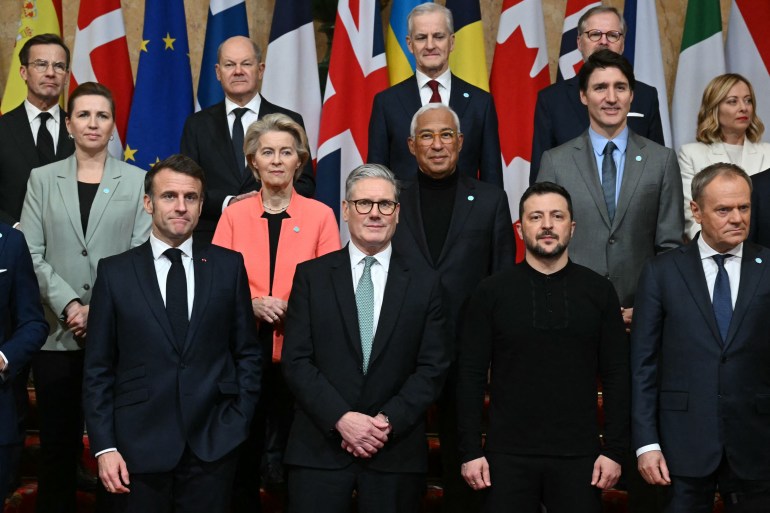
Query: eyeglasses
[364, 206]
[613, 36]
[42, 66]
[427, 137]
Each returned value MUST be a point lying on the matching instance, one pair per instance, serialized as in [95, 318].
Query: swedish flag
[468, 59]
[163, 96]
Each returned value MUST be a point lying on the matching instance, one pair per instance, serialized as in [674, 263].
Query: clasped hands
[76, 318]
[362, 435]
[269, 309]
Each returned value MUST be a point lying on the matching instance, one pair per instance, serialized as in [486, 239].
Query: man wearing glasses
[365, 354]
[559, 114]
[461, 228]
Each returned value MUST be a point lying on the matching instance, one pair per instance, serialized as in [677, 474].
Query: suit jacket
[322, 362]
[22, 325]
[18, 156]
[760, 209]
[206, 140]
[65, 259]
[392, 113]
[560, 116]
[648, 218]
[695, 397]
[148, 397]
[693, 157]
[310, 231]
[480, 241]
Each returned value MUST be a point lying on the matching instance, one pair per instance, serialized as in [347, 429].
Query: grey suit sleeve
[670, 229]
[547, 172]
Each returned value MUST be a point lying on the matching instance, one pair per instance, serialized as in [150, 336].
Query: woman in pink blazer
[275, 229]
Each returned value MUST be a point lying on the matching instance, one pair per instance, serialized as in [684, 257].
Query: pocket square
[634, 115]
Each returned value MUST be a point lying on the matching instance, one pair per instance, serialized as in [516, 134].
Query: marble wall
[671, 15]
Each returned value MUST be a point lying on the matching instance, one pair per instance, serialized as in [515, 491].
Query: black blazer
[206, 140]
[760, 209]
[18, 157]
[480, 240]
[560, 116]
[695, 396]
[322, 361]
[392, 113]
[148, 397]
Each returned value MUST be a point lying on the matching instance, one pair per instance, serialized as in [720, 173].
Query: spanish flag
[37, 17]
[468, 59]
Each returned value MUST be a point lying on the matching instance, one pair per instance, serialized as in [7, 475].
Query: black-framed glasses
[613, 36]
[41, 66]
[426, 137]
[364, 206]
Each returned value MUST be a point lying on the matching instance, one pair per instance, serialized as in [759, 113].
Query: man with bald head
[214, 139]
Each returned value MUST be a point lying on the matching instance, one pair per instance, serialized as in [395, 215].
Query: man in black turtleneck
[461, 228]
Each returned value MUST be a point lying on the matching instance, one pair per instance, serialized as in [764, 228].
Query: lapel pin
[204, 260]
[106, 190]
[466, 95]
[638, 158]
[296, 229]
[1, 235]
[758, 260]
[471, 198]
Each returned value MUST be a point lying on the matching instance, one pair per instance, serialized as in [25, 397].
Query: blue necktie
[365, 305]
[609, 178]
[722, 301]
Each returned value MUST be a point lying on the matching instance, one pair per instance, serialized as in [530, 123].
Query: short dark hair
[179, 164]
[603, 59]
[706, 175]
[42, 39]
[540, 188]
[90, 89]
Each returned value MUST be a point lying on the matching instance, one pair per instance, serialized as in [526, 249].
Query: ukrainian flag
[400, 60]
[468, 60]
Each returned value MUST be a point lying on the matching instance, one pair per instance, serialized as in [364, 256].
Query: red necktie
[435, 97]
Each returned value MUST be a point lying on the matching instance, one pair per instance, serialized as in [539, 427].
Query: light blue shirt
[619, 155]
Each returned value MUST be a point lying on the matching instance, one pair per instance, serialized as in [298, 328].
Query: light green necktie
[365, 305]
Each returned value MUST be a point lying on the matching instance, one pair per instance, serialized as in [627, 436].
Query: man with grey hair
[213, 137]
[461, 229]
[559, 114]
[365, 354]
[431, 40]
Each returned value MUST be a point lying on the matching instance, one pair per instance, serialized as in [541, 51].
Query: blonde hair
[276, 123]
[709, 131]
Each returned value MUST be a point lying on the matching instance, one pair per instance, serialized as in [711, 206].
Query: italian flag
[701, 59]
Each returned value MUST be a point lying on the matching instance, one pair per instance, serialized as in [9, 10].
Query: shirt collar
[253, 104]
[159, 247]
[444, 79]
[383, 257]
[599, 141]
[707, 251]
[33, 112]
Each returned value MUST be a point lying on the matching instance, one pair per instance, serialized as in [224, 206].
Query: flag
[642, 49]
[101, 55]
[748, 51]
[163, 95]
[401, 63]
[227, 18]
[357, 72]
[701, 59]
[570, 60]
[519, 71]
[37, 17]
[291, 68]
[468, 59]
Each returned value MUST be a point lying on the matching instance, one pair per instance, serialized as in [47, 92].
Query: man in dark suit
[214, 136]
[365, 354]
[431, 39]
[23, 331]
[700, 358]
[34, 133]
[760, 208]
[172, 364]
[559, 113]
[461, 228]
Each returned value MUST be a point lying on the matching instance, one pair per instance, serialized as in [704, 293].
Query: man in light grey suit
[627, 196]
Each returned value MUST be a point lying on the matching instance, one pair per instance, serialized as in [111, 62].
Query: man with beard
[546, 345]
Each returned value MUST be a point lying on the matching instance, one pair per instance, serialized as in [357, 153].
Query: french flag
[291, 67]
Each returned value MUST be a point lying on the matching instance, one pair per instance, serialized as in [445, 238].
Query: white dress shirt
[34, 121]
[379, 272]
[247, 119]
[444, 86]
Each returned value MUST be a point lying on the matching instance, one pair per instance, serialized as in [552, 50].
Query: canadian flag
[519, 71]
[101, 55]
[570, 60]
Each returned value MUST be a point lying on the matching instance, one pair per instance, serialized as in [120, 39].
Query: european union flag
[163, 96]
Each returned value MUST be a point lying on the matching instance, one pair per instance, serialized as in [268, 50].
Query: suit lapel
[220, 138]
[412, 216]
[67, 183]
[632, 173]
[107, 189]
[144, 267]
[688, 261]
[580, 112]
[22, 134]
[409, 97]
[460, 96]
[752, 269]
[392, 301]
[342, 281]
[203, 276]
[753, 160]
[463, 206]
[586, 166]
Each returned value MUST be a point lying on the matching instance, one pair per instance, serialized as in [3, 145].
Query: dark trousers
[521, 483]
[193, 486]
[330, 491]
[696, 494]
[58, 386]
[278, 402]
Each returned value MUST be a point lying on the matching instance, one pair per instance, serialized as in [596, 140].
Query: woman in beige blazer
[76, 212]
[729, 130]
